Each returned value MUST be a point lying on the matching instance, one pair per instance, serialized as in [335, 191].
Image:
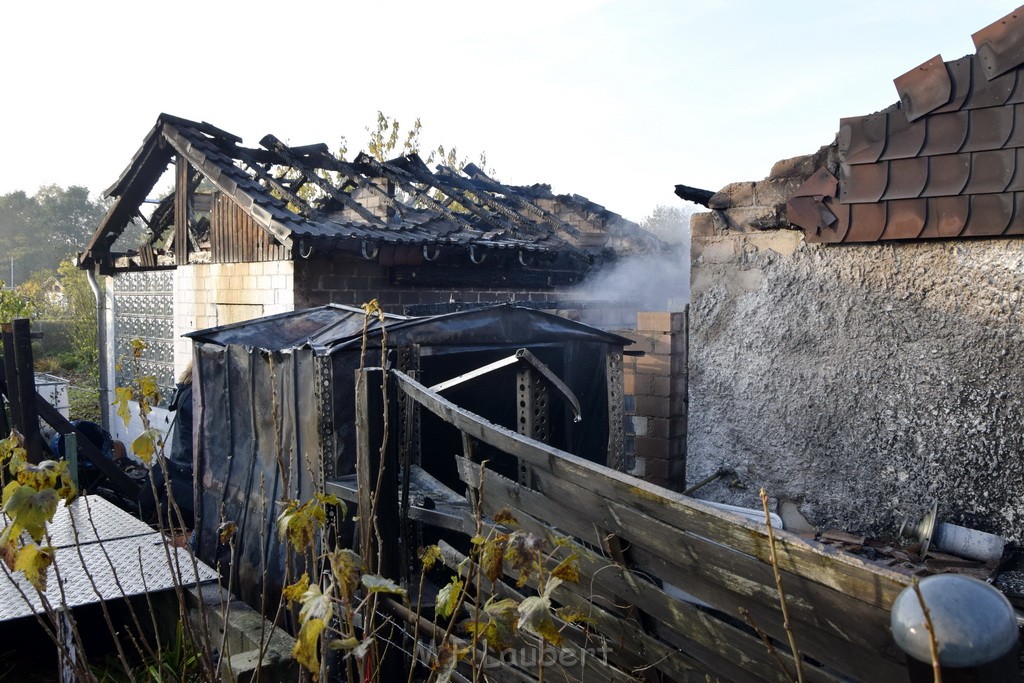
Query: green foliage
[40, 231]
[13, 304]
[178, 662]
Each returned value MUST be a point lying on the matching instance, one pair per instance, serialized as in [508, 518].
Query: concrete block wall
[655, 386]
[758, 205]
[211, 294]
[354, 281]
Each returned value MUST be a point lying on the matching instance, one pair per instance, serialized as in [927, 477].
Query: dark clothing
[178, 465]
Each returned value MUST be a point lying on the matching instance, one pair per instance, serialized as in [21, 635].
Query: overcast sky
[614, 100]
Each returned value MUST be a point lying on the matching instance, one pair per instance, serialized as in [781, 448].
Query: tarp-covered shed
[276, 404]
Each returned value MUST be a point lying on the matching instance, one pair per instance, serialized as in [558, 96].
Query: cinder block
[652, 406]
[659, 321]
[774, 191]
[802, 166]
[657, 471]
[653, 447]
[667, 427]
[654, 365]
[661, 386]
[733, 194]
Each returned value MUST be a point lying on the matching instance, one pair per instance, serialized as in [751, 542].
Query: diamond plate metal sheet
[116, 556]
[90, 519]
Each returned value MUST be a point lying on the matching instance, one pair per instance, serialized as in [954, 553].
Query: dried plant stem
[932, 642]
[782, 594]
[772, 652]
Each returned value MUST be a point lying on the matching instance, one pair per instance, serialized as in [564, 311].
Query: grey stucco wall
[862, 381]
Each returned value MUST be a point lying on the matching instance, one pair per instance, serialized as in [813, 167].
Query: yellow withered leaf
[122, 396]
[33, 562]
[295, 591]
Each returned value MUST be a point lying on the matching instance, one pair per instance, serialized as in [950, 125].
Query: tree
[38, 232]
[669, 223]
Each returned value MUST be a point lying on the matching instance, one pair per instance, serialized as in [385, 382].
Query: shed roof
[331, 328]
[307, 193]
[946, 161]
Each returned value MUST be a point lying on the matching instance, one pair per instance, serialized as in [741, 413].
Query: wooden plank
[182, 210]
[633, 648]
[708, 571]
[604, 577]
[829, 566]
[91, 453]
[688, 556]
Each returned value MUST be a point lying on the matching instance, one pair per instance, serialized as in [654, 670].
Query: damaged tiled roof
[946, 161]
[307, 195]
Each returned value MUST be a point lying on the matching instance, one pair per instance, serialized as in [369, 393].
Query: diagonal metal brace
[520, 356]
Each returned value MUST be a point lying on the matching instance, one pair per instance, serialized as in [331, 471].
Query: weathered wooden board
[623, 656]
[855, 578]
[856, 641]
[710, 634]
[684, 558]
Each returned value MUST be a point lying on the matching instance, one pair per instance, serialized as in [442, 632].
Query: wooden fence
[665, 577]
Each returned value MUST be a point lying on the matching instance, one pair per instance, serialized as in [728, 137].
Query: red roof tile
[1000, 45]
[946, 161]
[924, 88]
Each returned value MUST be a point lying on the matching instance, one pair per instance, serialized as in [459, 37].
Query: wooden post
[369, 437]
[21, 385]
[379, 524]
[11, 376]
[182, 210]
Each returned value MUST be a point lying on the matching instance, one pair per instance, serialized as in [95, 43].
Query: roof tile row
[946, 161]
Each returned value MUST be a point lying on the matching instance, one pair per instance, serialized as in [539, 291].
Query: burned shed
[255, 231]
[275, 404]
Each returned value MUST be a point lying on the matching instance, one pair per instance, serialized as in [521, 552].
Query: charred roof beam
[402, 179]
[222, 180]
[293, 159]
[492, 185]
[460, 189]
[419, 172]
[290, 193]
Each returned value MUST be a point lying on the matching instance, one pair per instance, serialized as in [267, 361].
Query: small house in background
[253, 231]
[857, 318]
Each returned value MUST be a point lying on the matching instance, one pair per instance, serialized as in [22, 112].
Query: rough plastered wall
[860, 382]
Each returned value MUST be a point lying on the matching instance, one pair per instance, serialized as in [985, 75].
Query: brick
[660, 321]
[629, 383]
